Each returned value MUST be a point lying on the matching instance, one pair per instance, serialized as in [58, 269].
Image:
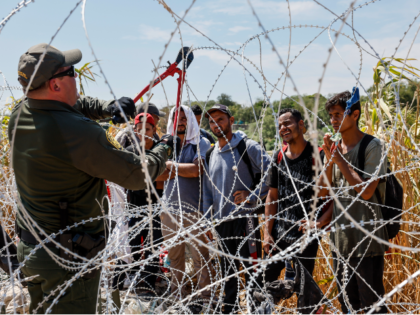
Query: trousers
[307, 258]
[176, 254]
[81, 297]
[151, 269]
[231, 235]
[371, 270]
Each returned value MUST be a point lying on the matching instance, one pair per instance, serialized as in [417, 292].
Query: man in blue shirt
[182, 196]
[234, 189]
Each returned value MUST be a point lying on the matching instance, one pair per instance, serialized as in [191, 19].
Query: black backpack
[255, 178]
[206, 135]
[392, 209]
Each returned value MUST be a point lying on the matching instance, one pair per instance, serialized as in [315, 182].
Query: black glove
[169, 141]
[127, 105]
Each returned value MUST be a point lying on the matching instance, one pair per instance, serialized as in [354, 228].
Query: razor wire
[129, 278]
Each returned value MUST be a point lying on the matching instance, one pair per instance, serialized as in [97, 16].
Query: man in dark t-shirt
[291, 194]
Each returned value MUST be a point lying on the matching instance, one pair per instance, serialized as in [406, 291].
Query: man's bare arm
[165, 175]
[270, 209]
[355, 179]
[189, 170]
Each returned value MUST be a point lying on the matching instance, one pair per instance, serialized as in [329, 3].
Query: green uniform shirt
[59, 153]
[352, 241]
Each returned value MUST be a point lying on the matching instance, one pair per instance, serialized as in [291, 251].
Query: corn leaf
[374, 118]
[385, 108]
[325, 281]
[398, 73]
[376, 76]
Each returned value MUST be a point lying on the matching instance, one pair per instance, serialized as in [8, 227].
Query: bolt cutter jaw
[186, 55]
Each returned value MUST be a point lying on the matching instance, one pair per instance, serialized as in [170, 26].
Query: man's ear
[54, 85]
[302, 127]
[232, 120]
[356, 114]
[301, 124]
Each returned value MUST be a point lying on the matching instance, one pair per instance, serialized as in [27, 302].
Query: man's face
[289, 128]
[182, 123]
[149, 131]
[220, 123]
[336, 118]
[156, 118]
[198, 117]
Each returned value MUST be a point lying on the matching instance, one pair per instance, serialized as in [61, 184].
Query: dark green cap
[54, 59]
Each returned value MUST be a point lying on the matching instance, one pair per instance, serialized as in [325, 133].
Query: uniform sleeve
[203, 147]
[98, 154]
[373, 157]
[93, 108]
[260, 162]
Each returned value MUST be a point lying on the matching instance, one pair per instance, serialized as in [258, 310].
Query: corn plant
[85, 72]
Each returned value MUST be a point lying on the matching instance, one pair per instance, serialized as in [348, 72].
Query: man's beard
[221, 133]
[182, 132]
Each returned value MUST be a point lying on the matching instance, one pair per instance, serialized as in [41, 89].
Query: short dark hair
[340, 99]
[295, 113]
[196, 109]
[180, 109]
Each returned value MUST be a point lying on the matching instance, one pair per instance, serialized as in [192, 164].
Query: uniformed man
[60, 159]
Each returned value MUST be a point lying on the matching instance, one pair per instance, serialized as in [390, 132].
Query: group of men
[61, 158]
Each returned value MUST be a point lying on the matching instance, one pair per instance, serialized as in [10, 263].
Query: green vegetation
[85, 72]
[248, 115]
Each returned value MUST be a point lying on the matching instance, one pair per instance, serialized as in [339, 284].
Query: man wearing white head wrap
[191, 132]
[183, 197]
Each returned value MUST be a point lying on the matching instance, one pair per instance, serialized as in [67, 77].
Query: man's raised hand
[268, 243]
[330, 148]
[240, 196]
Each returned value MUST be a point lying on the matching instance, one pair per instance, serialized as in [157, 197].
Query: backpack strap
[194, 146]
[208, 154]
[319, 150]
[361, 155]
[280, 156]
[245, 157]
[206, 135]
[362, 150]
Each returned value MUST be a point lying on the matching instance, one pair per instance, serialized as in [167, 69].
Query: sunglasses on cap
[69, 72]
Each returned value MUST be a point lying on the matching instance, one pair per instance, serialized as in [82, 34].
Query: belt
[29, 238]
